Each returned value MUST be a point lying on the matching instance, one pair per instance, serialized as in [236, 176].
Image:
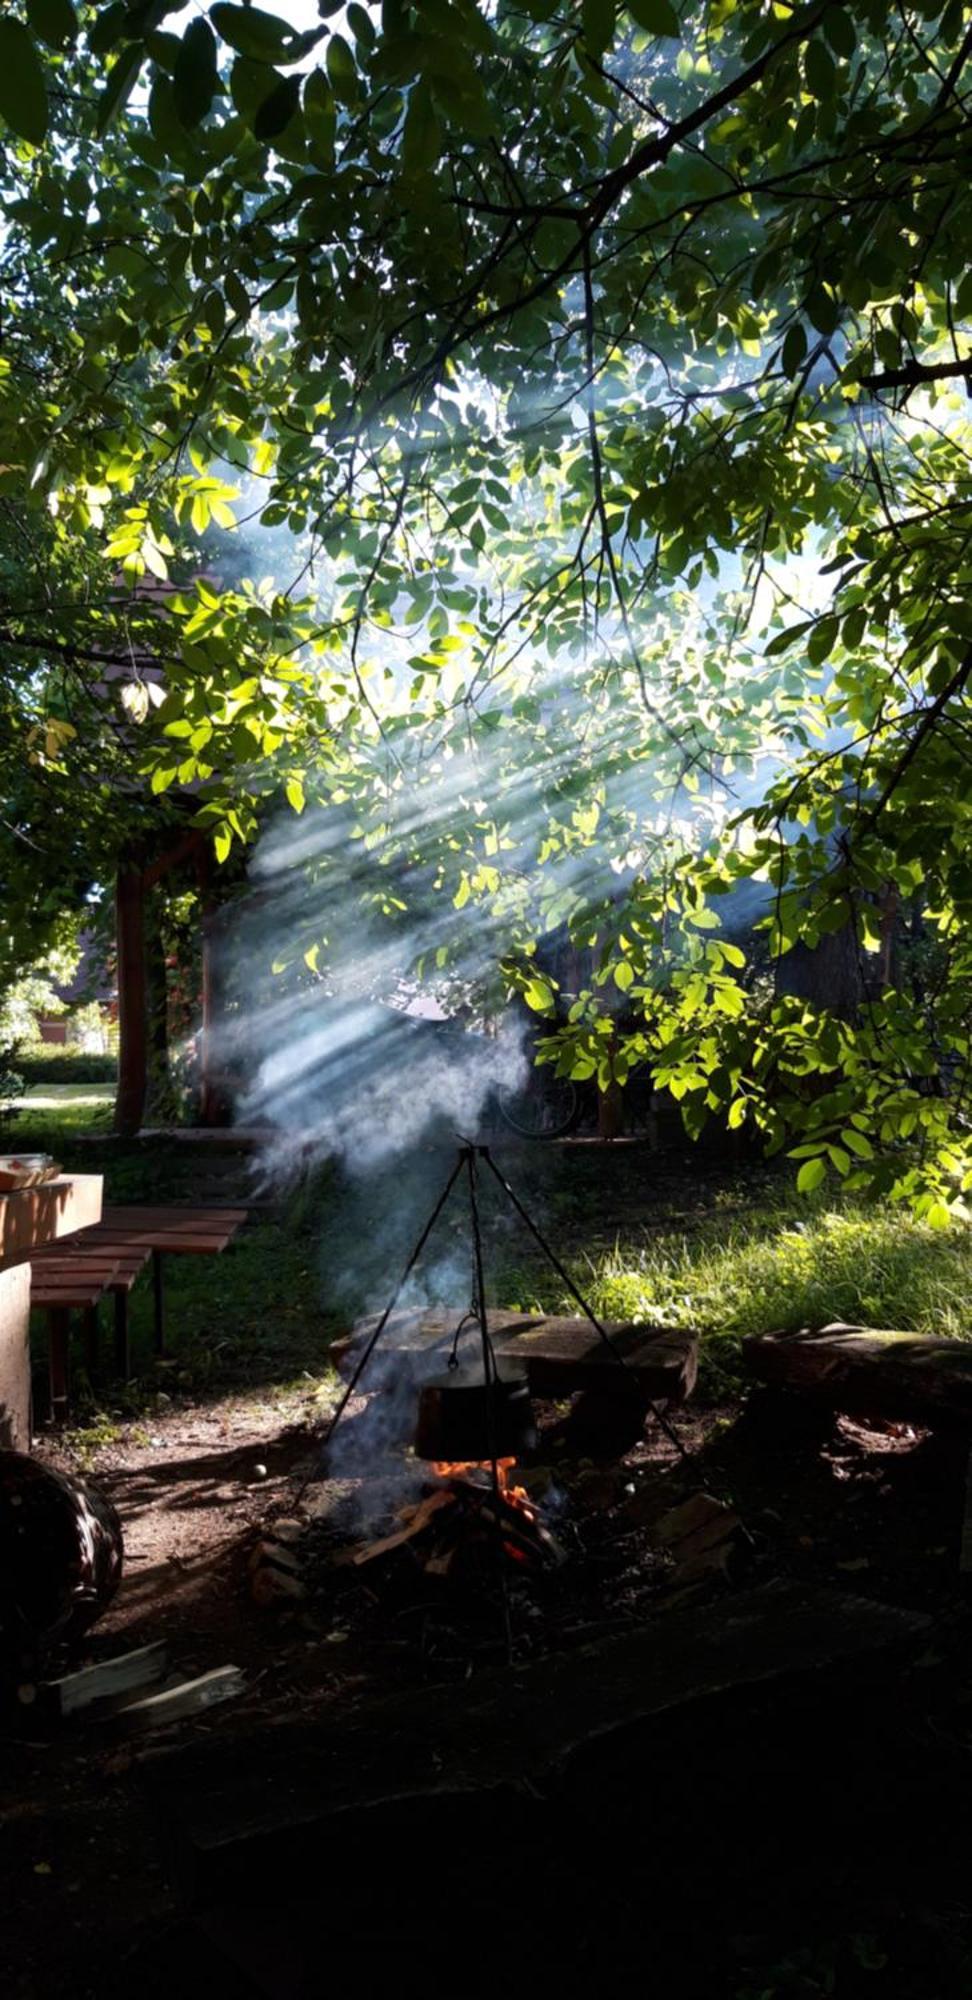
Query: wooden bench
[165, 1232]
[61, 1288]
[560, 1355]
[78, 1258]
[76, 1273]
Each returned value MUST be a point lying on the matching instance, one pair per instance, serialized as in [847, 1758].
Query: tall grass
[775, 1269]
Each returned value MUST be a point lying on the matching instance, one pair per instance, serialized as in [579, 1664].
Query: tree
[616, 354]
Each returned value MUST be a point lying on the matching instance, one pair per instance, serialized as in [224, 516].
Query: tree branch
[917, 372]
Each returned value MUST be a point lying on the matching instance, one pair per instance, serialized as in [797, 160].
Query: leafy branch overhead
[588, 388]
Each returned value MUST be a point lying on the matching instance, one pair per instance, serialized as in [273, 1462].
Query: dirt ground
[876, 1509]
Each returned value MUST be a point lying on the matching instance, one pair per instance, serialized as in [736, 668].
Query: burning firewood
[459, 1512]
[418, 1519]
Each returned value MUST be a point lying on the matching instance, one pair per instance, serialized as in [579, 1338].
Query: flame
[517, 1496]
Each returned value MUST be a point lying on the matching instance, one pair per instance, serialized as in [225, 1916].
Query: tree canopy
[602, 372]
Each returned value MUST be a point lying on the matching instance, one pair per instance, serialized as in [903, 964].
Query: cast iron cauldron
[462, 1420]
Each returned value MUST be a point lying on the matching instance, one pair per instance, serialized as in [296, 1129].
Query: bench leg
[58, 1334]
[158, 1289]
[91, 1343]
[123, 1352]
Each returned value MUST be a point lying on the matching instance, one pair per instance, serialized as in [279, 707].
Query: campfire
[467, 1517]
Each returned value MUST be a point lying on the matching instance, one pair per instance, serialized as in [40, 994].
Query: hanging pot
[464, 1420]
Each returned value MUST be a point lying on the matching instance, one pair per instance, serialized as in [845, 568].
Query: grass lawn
[730, 1251]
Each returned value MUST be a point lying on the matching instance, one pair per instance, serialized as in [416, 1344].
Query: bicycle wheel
[546, 1107]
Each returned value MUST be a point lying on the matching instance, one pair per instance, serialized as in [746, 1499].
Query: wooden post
[132, 1022]
[214, 1104]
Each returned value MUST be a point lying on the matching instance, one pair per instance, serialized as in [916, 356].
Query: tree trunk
[132, 1006]
[160, 1106]
[215, 1104]
[829, 975]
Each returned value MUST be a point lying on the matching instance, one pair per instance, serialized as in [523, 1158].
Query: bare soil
[873, 1508]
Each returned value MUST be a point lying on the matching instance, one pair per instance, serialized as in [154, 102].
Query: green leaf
[275, 113]
[963, 297]
[539, 996]
[658, 17]
[822, 641]
[109, 29]
[597, 21]
[782, 640]
[820, 70]
[810, 1175]
[122, 78]
[319, 115]
[840, 31]
[23, 93]
[55, 21]
[623, 975]
[342, 70]
[195, 77]
[295, 794]
[794, 348]
[422, 138]
[823, 309]
[252, 32]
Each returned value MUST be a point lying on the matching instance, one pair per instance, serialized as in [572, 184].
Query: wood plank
[868, 1369]
[84, 1287]
[106, 1679]
[171, 1212]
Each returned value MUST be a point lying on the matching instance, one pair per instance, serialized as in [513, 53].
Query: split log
[869, 1371]
[417, 1521]
[188, 1698]
[106, 1680]
[697, 1535]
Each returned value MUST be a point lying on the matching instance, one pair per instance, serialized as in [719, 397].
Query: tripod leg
[389, 1309]
[659, 1415]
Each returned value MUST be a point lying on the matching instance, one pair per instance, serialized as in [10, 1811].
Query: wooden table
[29, 1219]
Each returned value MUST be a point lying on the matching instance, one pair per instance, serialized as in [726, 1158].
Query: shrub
[11, 1086]
[54, 1063]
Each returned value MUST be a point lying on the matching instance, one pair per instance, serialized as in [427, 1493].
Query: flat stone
[870, 1370]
